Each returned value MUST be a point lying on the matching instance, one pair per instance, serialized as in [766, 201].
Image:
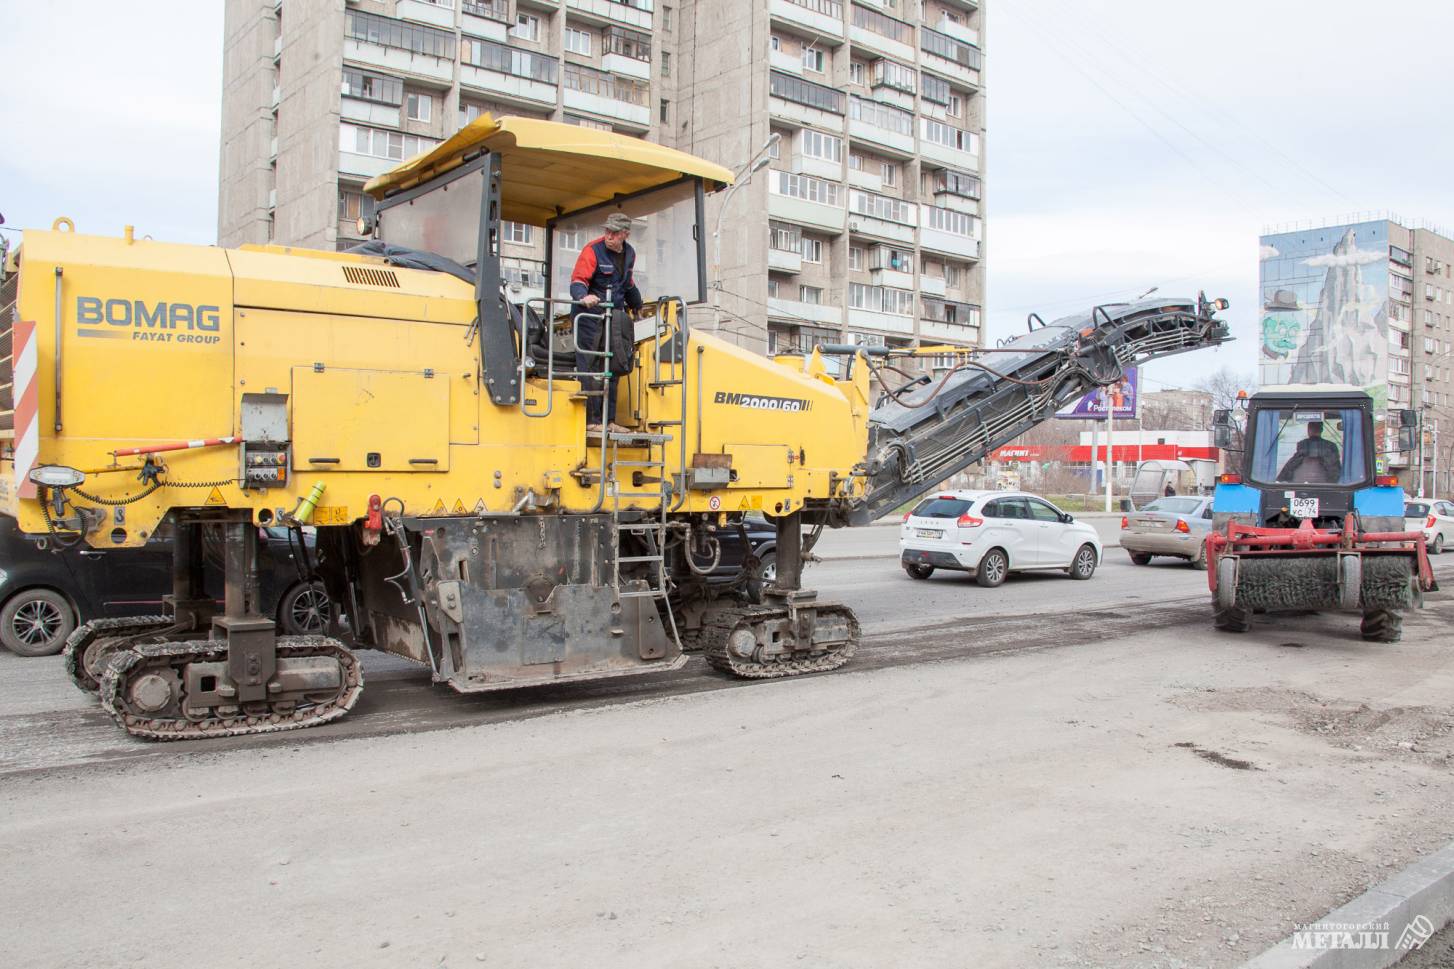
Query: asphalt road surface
[1054, 773]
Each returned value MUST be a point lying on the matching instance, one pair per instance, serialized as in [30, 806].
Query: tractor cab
[1308, 454]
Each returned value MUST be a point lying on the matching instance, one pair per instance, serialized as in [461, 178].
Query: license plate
[1305, 508]
[927, 533]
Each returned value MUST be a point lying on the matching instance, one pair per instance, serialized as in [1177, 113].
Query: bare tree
[1225, 384]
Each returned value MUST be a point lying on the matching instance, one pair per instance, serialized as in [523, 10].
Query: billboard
[1324, 312]
[1124, 397]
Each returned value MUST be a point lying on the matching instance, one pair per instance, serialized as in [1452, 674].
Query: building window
[951, 275]
[956, 105]
[881, 115]
[578, 41]
[892, 74]
[592, 123]
[375, 142]
[812, 250]
[813, 60]
[948, 220]
[810, 294]
[775, 42]
[353, 204]
[772, 289]
[935, 89]
[490, 56]
[855, 162]
[527, 27]
[949, 136]
[890, 173]
[805, 92]
[519, 233]
[816, 144]
[570, 240]
[588, 80]
[665, 110]
[857, 72]
[418, 107]
[628, 43]
[666, 63]
[805, 187]
[855, 257]
[881, 207]
[388, 32]
[894, 260]
[666, 18]
[784, 237]
[372, 87]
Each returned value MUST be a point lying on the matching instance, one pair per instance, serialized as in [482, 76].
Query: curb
[1422, 891]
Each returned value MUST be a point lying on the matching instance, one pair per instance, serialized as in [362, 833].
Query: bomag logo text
[143, 322]
[761, 402]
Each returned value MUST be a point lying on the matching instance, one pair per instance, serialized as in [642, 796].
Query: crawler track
[717, 631]
[168, 659]
[74, 653]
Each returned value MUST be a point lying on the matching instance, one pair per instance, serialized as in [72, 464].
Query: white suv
[994, 533]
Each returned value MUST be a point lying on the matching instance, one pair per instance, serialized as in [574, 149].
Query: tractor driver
[604, 267]
[1315, 461]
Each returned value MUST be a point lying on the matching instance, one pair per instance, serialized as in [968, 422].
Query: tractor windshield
[1297, 445]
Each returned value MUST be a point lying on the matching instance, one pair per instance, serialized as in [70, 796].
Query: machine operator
[1315, 461]
[603, 273]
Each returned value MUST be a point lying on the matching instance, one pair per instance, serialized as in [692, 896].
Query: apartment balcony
[805, 102]
[631, 13]
[507, 87]
[948, 243]
[874, 320]
[885, 35]
[487, 18]
[424, 12]
[781, 60]
[932, 285]
[364, 166]
[865, 180]
[396, 60]
[949, 200]
[889, 129]
[953, 332]
[797, 311]
[784, 261]
[638, 115]
[868, 225]
[818, 167]
[933, 152]
[827, 215]
[627, 66]
[950, 57]
[823, 19]
[961, 33]
[369, 112]
[892, 278]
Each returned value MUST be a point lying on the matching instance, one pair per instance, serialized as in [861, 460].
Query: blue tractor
[1308, 521]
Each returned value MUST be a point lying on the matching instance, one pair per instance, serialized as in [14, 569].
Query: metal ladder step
[658, 384]
[673, 423]
[638, 464]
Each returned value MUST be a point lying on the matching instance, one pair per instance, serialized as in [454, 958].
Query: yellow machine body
[158, 343]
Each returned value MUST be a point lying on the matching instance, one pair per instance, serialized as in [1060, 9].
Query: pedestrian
[602, 281]
[1170, 490]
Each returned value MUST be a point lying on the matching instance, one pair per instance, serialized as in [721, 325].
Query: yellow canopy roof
[551, 168]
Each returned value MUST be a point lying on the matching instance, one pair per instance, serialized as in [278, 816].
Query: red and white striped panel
[27, 405]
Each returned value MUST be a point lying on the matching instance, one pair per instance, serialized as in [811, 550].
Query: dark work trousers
[588, 334]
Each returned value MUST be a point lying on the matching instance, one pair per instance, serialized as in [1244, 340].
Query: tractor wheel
[1382, 626]
[1232, 620]
[1226, 594]
[1140, 558]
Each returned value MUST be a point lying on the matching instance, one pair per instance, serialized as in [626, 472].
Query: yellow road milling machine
[428, 418]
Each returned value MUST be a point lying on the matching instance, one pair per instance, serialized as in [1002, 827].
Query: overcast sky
[1130, 143]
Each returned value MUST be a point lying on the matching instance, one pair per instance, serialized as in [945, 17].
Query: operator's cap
[618, 222]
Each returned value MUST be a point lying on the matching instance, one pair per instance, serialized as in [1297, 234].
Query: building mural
[1325, 308]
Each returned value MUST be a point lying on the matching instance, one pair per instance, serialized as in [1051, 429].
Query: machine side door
[1054, 543]
[126, 581]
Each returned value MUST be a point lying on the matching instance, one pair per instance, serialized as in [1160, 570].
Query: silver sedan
[1173, 526]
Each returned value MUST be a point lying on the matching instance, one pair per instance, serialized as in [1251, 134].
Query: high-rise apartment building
[863, 225]
[1368, 303]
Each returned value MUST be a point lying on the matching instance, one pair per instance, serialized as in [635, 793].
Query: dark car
[761, 541]
[44, 594]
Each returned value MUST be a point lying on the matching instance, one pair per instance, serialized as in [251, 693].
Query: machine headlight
[56, 476]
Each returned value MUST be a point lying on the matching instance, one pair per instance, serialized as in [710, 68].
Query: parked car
[45, 594]
[994, 533]
[1435, 518]
[1175, 526]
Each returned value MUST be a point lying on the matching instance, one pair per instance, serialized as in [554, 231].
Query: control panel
[264, 464]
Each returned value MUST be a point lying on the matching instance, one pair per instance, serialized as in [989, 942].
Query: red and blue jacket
[599, 269]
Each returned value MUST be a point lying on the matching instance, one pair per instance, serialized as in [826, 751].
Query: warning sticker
[439, 508]
[331, 515]
[215, 498]
[714, 503]
[750, 503]
[459, 508]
